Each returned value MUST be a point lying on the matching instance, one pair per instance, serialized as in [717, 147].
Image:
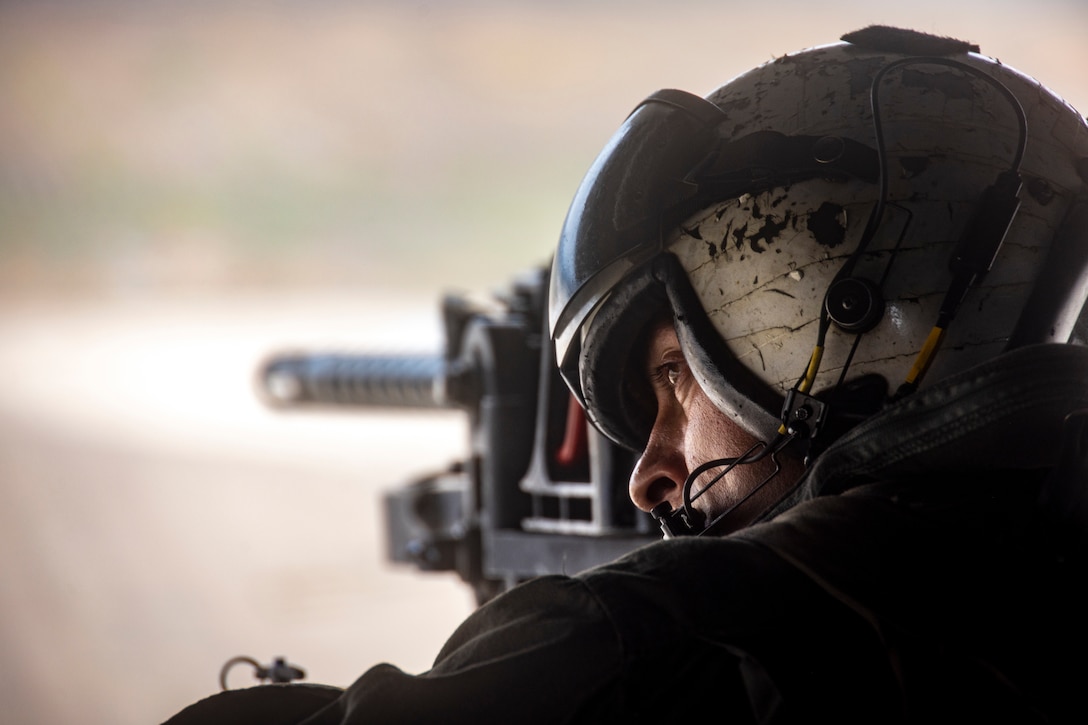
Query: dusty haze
[188, 186]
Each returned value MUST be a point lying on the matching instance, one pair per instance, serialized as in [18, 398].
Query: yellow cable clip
[925, 355]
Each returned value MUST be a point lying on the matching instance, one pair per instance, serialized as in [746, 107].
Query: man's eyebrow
[663, 354]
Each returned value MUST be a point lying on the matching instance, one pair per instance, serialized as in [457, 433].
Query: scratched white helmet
[848, 222]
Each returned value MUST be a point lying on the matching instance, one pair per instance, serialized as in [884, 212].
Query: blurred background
[186, 187]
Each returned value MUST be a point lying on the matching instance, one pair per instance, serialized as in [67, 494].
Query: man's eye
[668, 374]
[673, 373]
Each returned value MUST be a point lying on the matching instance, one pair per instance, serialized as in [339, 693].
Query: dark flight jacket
[929, 567]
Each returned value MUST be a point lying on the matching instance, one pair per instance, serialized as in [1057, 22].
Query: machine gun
[539, 491]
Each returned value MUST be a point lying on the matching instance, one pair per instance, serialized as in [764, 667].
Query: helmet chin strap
[689, 521]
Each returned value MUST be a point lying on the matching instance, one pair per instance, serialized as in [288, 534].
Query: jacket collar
[1006, 413]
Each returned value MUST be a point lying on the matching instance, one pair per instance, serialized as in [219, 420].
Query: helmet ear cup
[854, 304]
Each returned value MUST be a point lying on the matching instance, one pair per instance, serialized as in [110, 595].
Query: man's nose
[659, 475]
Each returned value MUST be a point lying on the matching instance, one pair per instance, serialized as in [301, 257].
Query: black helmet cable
[974, 253]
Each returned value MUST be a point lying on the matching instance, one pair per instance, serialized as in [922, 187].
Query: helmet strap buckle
[803, 415]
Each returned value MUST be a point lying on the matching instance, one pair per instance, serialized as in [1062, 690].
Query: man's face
[689, 430]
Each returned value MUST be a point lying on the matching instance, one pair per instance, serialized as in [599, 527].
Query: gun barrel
[400, 381]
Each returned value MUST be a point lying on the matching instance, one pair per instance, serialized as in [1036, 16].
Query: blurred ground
[185, 187]
[156, 520]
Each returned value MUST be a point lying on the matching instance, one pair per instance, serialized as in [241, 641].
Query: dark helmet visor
[667, 160]
[615, 221]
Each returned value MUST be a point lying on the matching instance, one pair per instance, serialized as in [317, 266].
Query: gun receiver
[539, 491]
